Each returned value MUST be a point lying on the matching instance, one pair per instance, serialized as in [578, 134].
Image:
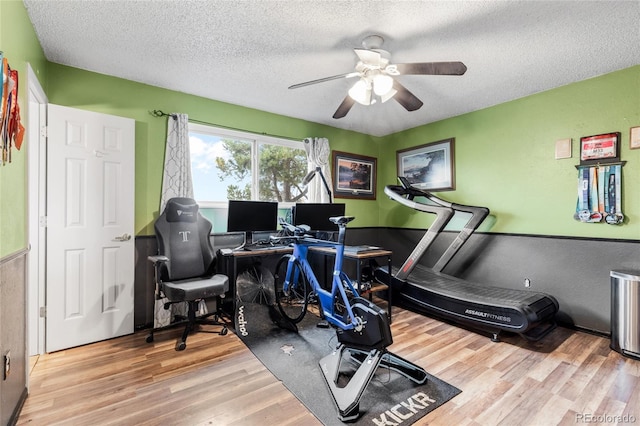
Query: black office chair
[185, 265]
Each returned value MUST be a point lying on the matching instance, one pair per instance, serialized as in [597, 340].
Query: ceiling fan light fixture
[390, 94]
[361, 92]
[382, 84]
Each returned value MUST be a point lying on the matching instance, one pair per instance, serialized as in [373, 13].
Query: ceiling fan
[376, 77]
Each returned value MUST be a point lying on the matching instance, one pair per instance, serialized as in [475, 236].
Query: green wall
[504, 154]
[20, 46]
[504, 158]
[96, 92]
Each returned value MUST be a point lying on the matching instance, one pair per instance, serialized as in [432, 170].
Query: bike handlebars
[299, 232]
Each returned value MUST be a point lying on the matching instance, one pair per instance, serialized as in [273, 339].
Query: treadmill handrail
[478, 214]
[397, 192]
[443, 216]
[417, 192]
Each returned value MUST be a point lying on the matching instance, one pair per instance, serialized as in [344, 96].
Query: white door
[90, 214]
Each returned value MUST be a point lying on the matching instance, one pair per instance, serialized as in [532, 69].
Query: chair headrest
[181, 210]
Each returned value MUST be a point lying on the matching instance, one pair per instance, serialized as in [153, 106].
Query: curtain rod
[159, 113]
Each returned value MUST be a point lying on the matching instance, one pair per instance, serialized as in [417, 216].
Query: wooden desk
[359, 257]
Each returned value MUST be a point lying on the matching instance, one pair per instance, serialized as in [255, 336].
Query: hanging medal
[601, 180]
[595, 215]
[582, 209]
[614, 196]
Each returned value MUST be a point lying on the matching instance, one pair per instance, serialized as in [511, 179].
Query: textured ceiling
[249, 52]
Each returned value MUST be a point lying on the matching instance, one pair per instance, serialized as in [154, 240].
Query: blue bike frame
[326, 298]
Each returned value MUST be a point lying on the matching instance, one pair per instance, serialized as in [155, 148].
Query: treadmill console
[404, 182]
[407, 190]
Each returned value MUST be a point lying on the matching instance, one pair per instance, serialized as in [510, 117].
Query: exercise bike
[362, 328]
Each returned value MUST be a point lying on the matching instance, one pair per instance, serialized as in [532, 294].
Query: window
[233, 165]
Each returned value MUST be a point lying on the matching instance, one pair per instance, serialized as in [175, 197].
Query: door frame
[36, 200]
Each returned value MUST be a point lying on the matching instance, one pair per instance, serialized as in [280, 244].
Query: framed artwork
[354, 176]
[430, 166]
[594, 149]
[563, 148]
[634, 138]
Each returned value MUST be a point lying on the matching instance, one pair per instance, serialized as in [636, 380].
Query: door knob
[123, 237]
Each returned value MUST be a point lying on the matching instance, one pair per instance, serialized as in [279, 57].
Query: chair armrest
[158, 259]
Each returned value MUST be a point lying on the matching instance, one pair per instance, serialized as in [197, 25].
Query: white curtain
[176, 182]
[318, 153]
[176, 179]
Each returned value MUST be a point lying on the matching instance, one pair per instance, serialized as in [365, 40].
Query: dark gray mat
[390, 398]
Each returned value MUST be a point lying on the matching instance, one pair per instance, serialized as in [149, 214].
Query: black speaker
[375, 332]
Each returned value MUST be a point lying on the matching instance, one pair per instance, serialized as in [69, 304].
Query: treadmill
[429, 291]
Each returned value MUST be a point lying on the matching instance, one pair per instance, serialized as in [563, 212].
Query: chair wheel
[224, 331]
[149, 338]
[181, 346]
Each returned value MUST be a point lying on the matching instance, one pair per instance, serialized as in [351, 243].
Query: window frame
[255, 140]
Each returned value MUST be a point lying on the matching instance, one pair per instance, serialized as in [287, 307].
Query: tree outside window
[232, 167]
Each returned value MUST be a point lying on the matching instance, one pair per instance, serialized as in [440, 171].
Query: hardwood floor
[568, 378]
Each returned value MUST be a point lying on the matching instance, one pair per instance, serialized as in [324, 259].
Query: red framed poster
[596, 148]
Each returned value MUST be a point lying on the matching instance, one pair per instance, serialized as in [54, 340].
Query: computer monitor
[252, 216]
[316, 215]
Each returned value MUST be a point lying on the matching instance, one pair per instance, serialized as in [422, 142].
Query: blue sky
[206, 183]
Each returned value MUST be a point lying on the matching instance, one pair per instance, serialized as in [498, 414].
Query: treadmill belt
[492, 308]
[460, 289]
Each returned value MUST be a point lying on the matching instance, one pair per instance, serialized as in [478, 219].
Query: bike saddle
[341, 220]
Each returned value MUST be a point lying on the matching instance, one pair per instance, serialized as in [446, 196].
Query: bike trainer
[366, 345]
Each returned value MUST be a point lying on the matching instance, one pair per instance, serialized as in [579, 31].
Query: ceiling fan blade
[432, 68]
[367, 56]
[322, 80]
[344, 107]
[405, 98]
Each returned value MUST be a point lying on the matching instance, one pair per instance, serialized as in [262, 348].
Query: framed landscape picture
[430, 166]
[354, 176]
